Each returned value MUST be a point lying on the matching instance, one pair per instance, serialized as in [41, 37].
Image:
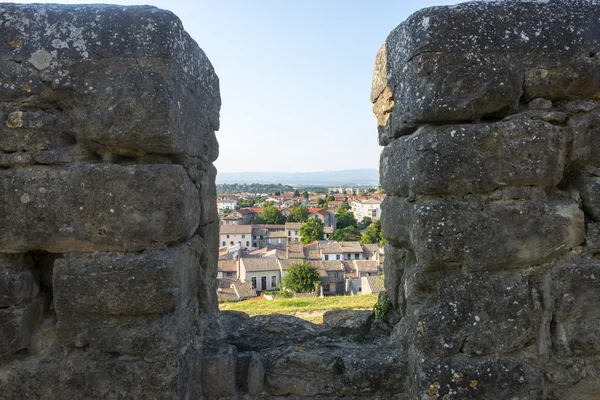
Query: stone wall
[490, 119]
[108, 221]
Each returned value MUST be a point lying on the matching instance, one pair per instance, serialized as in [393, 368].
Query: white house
[226, 203]
[230, 235]
[263, 273]
[366, 208]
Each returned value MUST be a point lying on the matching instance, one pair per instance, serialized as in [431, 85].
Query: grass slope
[310, 309]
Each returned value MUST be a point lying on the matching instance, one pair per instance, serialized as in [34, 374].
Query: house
[351, 250]
[227, 269]
[243, 216]
[225, 204]
[294, 250]
[366, 208]
[366, 268]
[331, 251]
[263, 273]
[328, 231]
[333, 283]
[230, 235]
[267, 235]
[326, 215]
[293, 231]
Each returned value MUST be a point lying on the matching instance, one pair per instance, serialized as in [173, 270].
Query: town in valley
[262, 234]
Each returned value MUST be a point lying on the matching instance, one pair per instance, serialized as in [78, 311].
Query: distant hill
[365, 176]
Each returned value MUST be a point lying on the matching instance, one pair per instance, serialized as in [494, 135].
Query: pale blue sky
[295, 77]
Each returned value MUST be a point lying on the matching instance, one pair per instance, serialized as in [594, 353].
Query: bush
[302, 277]
[382, 307]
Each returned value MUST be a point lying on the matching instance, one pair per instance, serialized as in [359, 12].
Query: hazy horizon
[295, 77]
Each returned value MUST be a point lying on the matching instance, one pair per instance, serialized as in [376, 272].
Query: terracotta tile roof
[351, 247]
[370, 249]
[232, 216]
[235, 229]
[293, 225]
[224, 294]
[256, 209]
[328, 229]
[227, 266]
[270, 227]
[260, 264]
[244, 290]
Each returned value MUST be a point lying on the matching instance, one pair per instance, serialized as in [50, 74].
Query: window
[326, 257]
[296, 233]
[295, 239]
[230, 274]
[273, 281]
[247, 243]
[254, 244]
[289, 233]
[224, 243]
[356, 256]
[227, 236]
[253, 282]
[231, 243]
[243, 236]
[337, 256]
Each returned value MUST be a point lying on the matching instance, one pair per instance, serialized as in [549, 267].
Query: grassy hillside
[310, 309]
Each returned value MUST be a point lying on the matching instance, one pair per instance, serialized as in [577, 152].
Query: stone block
[474, 158]
[576, 291]
[16, 326]
[84, 374]
[471, 314]
[207, 278]
[17, 283]
[95, 207]
[480, 236]
[475, 378]
[592, 237]
[130, 80]
[589, 190]
[584, 129]
[153, 282]
[468, 61]
[150, 335]
[219, 373]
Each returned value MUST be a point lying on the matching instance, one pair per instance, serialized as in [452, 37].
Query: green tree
[344, 218]
[312, 230]
[373, 234]
[277, 193]
[271, 215]
[245, 203]
[321, 202]
[298, 214]
[296, 193]
[301, 278]
[344, 206]
[346, 234]
[329, 198]
[305, 194]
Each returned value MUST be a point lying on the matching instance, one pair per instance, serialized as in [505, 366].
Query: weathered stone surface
[471, 313]
[152, 282]
[474, 158]
[17, 283]
[95, 207]
[475, 378]
[592, 237]
[130, 80]
[469, 61]
[16, 326]
[585, 140]
[589, 189]
[256, 374]
[479, 236]
[207, 273]
[143, 335]
[354, 323]
[576, 292]
[85, 374]
[272, 330]
[219, 373]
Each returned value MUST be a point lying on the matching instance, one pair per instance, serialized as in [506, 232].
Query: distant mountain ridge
[365, 176]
